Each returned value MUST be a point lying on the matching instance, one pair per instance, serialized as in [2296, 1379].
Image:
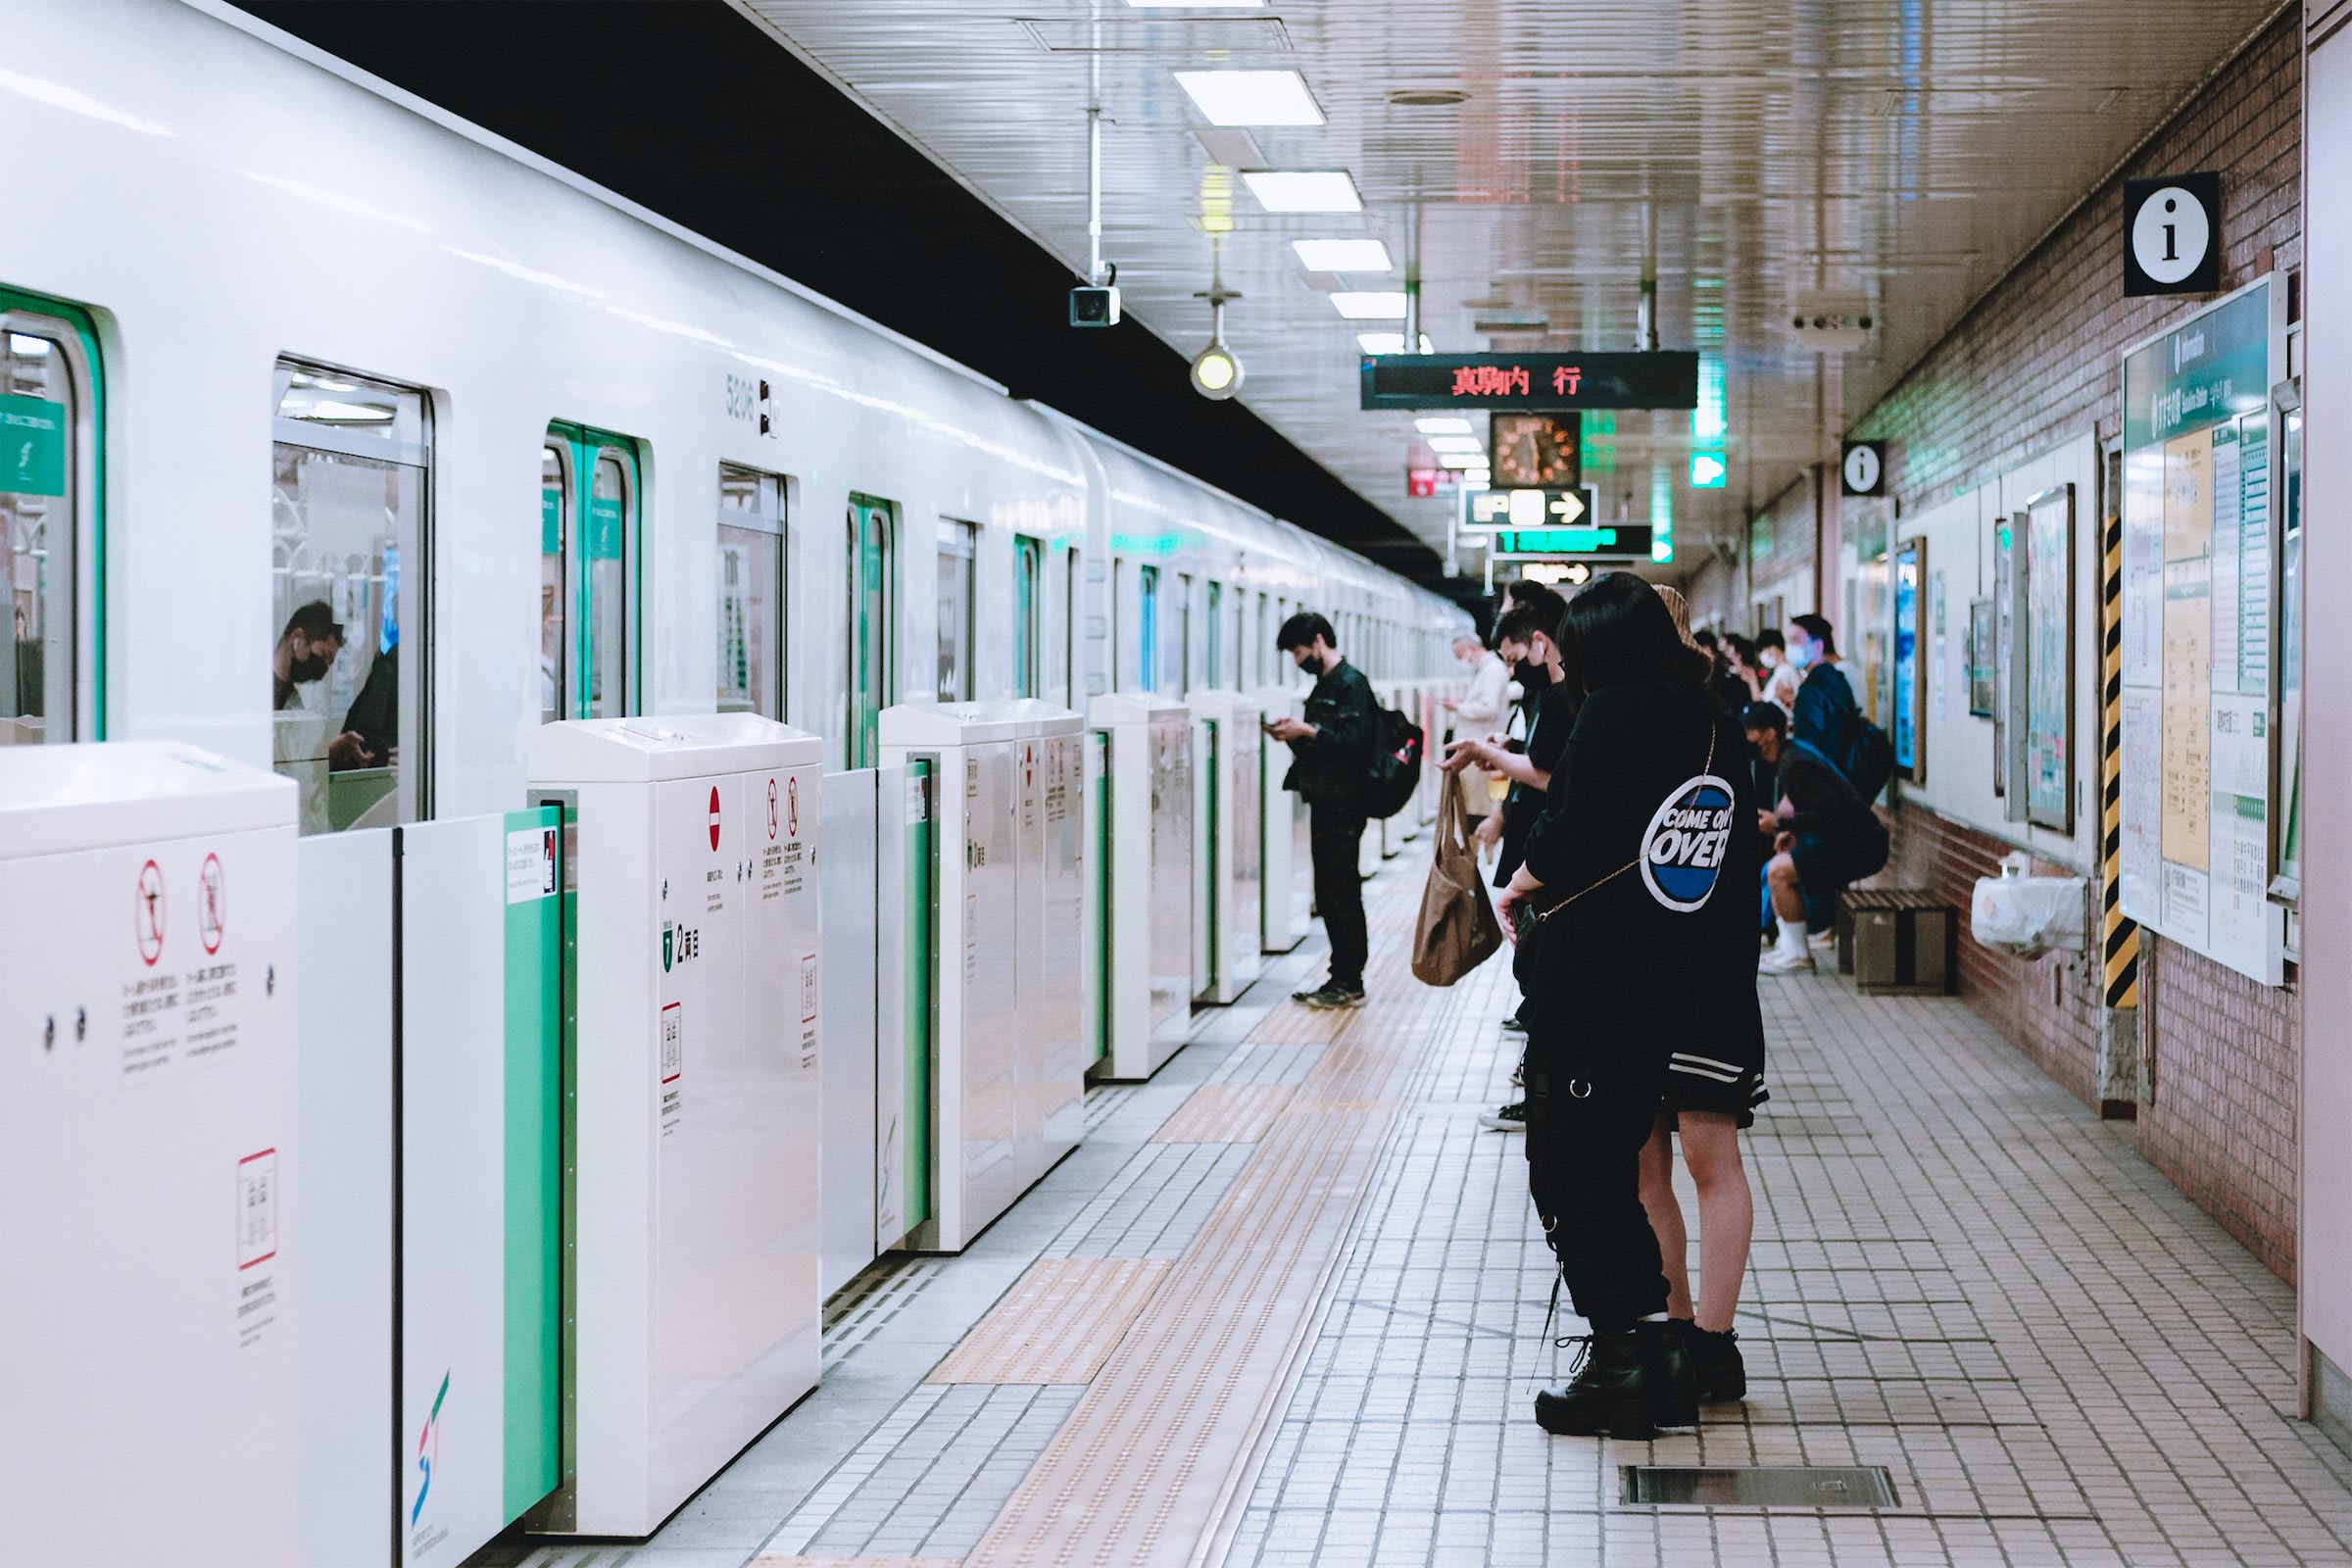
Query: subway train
[357, 448]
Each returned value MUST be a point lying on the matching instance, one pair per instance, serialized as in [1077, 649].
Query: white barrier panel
[148, 1111]
[696, 1119]
[480, 1086]
[903, 1133]
[1052, 875]
[345, 884]
[849, 936]
[1232, 801]
[1282, 898]
[1147, 1007]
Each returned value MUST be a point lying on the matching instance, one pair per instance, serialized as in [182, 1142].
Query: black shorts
[1709, 1079]
[1827, 866]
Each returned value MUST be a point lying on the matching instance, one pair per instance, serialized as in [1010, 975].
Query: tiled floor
[1959, 1275]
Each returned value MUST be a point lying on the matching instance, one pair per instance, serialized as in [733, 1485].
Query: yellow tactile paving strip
[1147, 1467]
[1057, 1324]
[1225, 1113]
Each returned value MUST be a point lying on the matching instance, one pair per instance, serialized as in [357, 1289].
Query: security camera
[1094, 307]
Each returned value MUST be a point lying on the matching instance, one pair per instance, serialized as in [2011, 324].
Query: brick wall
[2034, 364]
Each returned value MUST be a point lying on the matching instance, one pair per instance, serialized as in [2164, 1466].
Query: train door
[590, 590]
[350, 469]
[1216, 635]
[1179, 681]
[1028, 614]
[870, 678]
[52, 686]
[752, 598]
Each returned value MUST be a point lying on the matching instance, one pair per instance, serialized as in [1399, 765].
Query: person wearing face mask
[1332, 752]
[306, 650]
[1777, 677]
[1529, 639]
[1825, 713]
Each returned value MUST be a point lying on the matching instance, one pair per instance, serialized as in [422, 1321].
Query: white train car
[348, 441]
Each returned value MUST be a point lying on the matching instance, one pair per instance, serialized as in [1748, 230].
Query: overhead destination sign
[1532, 383]
[1616, 541]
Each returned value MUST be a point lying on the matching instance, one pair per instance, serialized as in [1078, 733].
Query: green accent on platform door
[922, 935]
[1220, 853]
[604, 539]
[534, 1194]
[1100, 741]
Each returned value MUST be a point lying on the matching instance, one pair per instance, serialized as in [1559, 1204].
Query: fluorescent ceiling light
[1389, 343]
[1460, 459]
[1440, 423]
[1192, 5]
[1342, 255]
[1455, 443]
[1309, 190]
[1252, 97]
[1381, 305]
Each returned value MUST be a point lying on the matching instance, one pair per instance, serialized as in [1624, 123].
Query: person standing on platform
[1825, 713]
[1528, 638]
[1778, 677]
[1332, 760]
[1632, 907]
[1481, 711]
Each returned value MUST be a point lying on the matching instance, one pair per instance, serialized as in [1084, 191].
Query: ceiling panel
[1744, 151]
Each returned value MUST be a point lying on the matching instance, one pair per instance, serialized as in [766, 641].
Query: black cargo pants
[1584, 1149]
[1335, 836]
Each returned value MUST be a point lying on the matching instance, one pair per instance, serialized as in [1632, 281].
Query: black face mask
[1312, 664]
[305, 670]
[1532, 676]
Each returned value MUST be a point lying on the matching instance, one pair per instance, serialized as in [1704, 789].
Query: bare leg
[1787, 899]
[1666, 1215]
[1727, 1214]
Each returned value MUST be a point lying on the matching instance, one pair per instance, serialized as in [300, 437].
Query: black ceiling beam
[689, 109]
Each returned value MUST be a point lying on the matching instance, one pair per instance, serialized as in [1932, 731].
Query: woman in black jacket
[1643, 861]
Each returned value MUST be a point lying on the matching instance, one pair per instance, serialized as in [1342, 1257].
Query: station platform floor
[1285, 1305]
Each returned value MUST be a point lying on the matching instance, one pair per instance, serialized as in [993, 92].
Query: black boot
[1672, 1381]
[1715, 1358]
[1613, 1390]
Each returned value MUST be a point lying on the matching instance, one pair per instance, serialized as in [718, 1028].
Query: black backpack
[1867, 759]
[1396, 771]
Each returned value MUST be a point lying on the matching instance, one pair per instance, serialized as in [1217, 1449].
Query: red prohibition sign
[771, 811]
[792, 806]
[148, 916]
[212, 907]
[714, 817]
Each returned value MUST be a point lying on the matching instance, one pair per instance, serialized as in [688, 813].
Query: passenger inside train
[1254, 784]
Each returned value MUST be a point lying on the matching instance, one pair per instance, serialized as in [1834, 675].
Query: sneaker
[1512, 1025]
[1822, 940]
[1511, 1119]
[1779, 962]
[1715, 1358]
[1330, 994]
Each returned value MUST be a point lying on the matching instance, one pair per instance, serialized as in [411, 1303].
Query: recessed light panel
[1318, 190]
[1193, 5]
[1388, 342]
[1455, 443]
[1440, 423]
[1252, 97]
[1342, 255]
[1380, 304]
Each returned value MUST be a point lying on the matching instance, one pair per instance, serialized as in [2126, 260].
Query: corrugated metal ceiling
[1749, 151]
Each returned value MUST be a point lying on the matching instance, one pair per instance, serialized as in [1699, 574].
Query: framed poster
[1981, 657]
[2203, 811]
[2049, 522]
[1908, 668]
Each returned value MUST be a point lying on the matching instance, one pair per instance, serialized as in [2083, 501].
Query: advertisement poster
[1904, 731]
[2050, 660]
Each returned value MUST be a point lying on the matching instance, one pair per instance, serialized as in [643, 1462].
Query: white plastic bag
[2028, 916]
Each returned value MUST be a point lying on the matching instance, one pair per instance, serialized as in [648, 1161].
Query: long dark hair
[1619, 630]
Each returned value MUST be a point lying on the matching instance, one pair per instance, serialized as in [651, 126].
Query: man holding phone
[1332, 748]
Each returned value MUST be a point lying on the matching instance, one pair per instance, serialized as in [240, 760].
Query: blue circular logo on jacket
[1682, 852]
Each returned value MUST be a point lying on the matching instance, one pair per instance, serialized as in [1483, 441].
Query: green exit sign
[1620, 541]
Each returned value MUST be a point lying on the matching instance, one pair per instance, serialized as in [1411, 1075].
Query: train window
[750, 591]
[48, 521]
[1216, 675]
[1179, 679]
[1072, 622]
[871, 683]
[591, 517]
[1028, 615]
[958, 594]
[1147, 617]
[350, 467]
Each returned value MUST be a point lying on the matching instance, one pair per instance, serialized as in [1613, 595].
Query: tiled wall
[2037, 363]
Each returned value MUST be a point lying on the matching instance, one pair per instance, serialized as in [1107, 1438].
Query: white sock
[1793, 939]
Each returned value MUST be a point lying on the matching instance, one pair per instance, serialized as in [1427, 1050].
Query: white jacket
[1481, 712]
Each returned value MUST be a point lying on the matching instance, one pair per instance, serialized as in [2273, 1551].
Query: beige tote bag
[1458, 930]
